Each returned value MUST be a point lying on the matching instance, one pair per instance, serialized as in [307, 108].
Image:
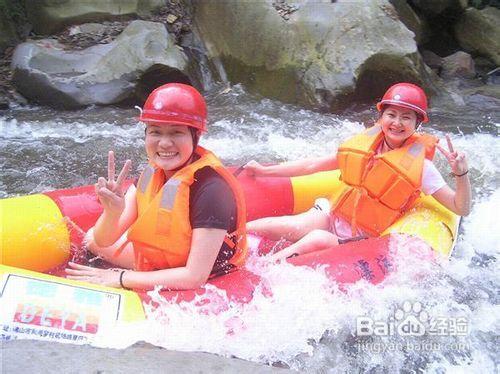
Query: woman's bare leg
[291, 228]
[316, 240]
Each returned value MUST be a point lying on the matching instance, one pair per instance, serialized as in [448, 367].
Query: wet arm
[301, 167]
[458, 201]
[110, 227]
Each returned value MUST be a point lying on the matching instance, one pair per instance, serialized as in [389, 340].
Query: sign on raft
[32, 308]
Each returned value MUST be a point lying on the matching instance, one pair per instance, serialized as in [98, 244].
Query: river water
[309, 324]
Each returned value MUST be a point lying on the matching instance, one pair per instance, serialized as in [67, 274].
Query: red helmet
[408, 96]
[177, 104]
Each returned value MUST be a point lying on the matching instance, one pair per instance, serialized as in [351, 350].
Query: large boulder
[432, 60]
[49, 16]
[318, 54]
[458, 65]
[478, 32]
[103, 74]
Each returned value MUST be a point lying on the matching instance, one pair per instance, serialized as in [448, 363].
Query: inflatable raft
[40, 233]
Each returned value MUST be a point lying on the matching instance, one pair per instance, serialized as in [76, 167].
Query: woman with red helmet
[177, 226]
[383, 171]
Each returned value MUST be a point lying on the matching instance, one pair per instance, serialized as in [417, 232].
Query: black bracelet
[121, 280]
[460, 175]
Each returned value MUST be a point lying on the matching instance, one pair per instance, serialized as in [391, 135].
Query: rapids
[309, 323]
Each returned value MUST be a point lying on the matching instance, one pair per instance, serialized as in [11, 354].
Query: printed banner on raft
[48, 310]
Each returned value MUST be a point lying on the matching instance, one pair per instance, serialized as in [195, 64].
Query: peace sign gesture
[456, 159]
[110, 192]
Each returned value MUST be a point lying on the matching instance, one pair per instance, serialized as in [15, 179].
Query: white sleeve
[432, 180]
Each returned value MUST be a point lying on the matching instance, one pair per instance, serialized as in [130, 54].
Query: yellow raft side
[130, 305]
[431, 222]
[25, 223]
[308, 188]
[428, 220]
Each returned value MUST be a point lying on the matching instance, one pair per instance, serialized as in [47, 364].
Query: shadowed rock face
[435, 7]
[103, 74]
[317, 55]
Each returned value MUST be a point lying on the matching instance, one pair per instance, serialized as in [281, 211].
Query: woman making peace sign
[185, 219]
[383, 171]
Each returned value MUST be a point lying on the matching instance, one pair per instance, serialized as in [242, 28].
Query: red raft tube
[40, 232]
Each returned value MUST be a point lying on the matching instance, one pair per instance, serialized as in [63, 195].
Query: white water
[308, 323]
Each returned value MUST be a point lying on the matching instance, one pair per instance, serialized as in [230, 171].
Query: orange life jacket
[379, 188]
[161, 235]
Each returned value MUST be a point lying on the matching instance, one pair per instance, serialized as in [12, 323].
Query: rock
[50, 16]
[4, 102]
[90, 34]
[103, 74]
[412, 20]
[88, 28]
[486, 96]
[31, 356]
[478, 32]
[324, 56]
[432, 60]
[458, 65]
[493, 76]
[490, 90]
[436, 7]
[18, 99]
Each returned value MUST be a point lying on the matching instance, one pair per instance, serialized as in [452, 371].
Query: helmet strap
[402, 144]
[195, 135]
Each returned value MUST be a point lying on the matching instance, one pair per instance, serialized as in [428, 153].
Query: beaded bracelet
[121, 280]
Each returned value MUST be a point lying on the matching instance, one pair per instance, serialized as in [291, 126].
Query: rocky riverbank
[324, 56]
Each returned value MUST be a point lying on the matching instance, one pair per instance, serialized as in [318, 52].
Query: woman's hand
[104, 277]
[253, 168]
[456, 159]
[110, 192]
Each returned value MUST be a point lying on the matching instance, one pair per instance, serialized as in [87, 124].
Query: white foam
[78, 132]
[481, 227]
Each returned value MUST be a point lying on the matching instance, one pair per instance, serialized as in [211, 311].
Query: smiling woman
[177, 227]
[383, 171]
[169, 147]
